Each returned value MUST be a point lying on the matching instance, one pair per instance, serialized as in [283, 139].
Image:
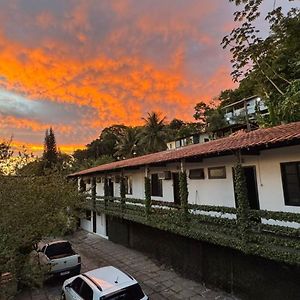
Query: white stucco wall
[220, 191]
[138, 185]
[101, 225]
[86, 224]
[269, 180]
[206, 191]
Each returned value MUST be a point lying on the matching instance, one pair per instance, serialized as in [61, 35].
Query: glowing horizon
[83, 65]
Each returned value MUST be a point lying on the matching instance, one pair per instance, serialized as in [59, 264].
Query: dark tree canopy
[50, 155]
[153, 137]
[267, 66]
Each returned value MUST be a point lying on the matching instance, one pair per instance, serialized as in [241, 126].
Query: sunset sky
[82, 65]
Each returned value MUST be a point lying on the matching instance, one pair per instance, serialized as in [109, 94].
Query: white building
[270, 158]
[196, 138]
[245, 109]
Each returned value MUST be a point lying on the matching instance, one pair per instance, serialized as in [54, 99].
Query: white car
[59, 257]
[107, 283]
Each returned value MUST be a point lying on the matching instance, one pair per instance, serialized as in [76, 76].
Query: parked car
[60, 257]
[107, 283]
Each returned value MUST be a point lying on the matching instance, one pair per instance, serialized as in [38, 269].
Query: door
[251, 183]
[176, 191]
[110, 187]
[101, 224]
[94, 221]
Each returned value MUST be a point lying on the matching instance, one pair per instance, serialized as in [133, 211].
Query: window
[128, 185]
[217, 173]
[290, 173]
[156, 186]
[88, 215]
[59, 249]
[81, 288]
[86, 291]
[196, 174]
[76, 285]
[133, 292]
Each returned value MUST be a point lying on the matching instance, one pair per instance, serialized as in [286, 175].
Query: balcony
[268, 234]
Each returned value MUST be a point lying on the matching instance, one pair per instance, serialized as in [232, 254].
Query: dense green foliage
[32, 208]
[212, 118]
[270, 241]
[148, 195]
[242, 203]
[119, 142]
[268, 66]
[184, 193]
[153, 137]
[127, 144]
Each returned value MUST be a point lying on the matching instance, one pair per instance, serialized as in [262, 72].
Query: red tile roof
[260, 138]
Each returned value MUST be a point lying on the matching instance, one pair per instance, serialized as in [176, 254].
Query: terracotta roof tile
[268, 137]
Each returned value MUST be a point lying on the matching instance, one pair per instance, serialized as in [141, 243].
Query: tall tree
[212, 118]
[128, 143]
[271, 62]
[32, 208]
[153, 134]
[50, 155]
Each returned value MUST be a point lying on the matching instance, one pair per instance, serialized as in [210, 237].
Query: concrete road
[158, 282]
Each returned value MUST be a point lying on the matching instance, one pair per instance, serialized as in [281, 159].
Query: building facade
[243, 198]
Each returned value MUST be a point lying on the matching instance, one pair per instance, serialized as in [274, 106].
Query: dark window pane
[291, 169]
[290, 173]
[59, 249]
[86, 292]
[196, 174]
[76, 285]
[88, 214]
[156, 186]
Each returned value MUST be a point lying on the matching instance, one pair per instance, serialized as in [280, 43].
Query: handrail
[215, 224]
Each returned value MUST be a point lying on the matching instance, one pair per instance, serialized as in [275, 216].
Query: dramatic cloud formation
[86, 64]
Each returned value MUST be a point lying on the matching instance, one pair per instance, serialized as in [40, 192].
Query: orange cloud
[120, 58]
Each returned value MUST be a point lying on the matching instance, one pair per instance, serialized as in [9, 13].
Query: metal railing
[274, 235]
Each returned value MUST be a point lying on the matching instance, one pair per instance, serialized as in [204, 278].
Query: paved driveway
[158, 282]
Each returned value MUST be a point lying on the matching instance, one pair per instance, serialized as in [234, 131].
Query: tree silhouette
[50, 155]
[154, 134]
[128, 143]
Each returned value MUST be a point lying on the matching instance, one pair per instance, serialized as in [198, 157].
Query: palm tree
[153, 134]
[127, 144]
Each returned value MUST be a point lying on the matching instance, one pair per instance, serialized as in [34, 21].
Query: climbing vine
[184, 193]
[243, 208]
[273, 242]
[147, 195]
[122, 191]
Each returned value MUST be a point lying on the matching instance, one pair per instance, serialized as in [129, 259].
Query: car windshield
[57, 249]
[133, 292]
